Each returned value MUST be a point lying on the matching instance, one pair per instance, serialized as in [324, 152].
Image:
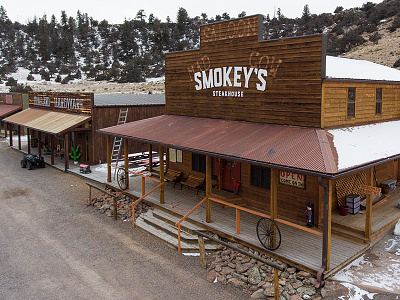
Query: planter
[75, 162]
[344, 210]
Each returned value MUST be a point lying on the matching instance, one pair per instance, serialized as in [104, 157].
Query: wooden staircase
[162, 225]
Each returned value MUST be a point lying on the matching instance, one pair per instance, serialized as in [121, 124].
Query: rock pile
[105, 204]
[253, 277]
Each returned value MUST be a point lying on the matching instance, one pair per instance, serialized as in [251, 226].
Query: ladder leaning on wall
[116, 151]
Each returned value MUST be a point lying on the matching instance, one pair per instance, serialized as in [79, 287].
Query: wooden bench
[173, 176]
[193, 181]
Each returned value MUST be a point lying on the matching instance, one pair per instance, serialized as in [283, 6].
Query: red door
[230, 174]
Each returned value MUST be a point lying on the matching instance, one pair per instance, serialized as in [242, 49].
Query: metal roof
[47, 121]
[128, 99]
[294, 147]
[7, 109]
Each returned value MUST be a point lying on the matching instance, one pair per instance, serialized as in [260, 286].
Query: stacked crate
[353, 202]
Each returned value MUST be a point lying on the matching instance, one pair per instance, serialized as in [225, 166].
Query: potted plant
[74, 154]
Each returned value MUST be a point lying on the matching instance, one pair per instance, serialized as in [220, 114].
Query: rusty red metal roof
[7, 109]
[290, 146]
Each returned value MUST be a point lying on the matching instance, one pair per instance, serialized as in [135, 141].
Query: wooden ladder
[123, 115]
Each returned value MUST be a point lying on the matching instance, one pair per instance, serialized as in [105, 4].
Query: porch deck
[298, 248]
[385, 214]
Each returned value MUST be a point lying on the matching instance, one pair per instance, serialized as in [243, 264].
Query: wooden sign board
[9, 99]
[78, 103]
[235, 75]
[292, 179]
[370, 190]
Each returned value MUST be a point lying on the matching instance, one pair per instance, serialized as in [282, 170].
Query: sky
[115, 12]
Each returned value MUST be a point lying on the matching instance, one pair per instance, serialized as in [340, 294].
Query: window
[351, 102]
[261, 177]
[175, 155]
[378, 106]
[198, 162]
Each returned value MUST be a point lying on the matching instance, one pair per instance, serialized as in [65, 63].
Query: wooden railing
[238, 209]
[144, 194]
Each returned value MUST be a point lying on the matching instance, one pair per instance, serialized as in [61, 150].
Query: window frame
[175, 155]
[378, 101]
[263, 180]
[199, 162]
[351, 102]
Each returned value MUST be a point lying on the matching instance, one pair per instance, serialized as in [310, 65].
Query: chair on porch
[193, 181]
[173, 176]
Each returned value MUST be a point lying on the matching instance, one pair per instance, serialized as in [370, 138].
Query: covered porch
[52, 131]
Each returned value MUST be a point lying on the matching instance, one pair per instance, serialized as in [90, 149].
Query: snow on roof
[346, 68]
[128, 99]
[359, 145]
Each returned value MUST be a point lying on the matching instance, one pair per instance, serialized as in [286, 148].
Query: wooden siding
[103, 117]
[292, 201]
[334, 113]
[293, 85]
[79, 103]
[17, 98]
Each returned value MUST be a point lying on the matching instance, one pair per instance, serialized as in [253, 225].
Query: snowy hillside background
[66, 49]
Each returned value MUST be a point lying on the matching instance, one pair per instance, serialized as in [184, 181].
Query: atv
[32, 160]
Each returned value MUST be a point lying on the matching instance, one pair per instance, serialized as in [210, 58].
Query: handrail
[238, 209]
[181, 220]
[134, 173]
[140, 199]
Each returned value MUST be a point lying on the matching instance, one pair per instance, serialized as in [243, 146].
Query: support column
[126, 162]
[150, 158]
[368, 214]
[40, 144]
[167, 158]
[161, 153]
[208, 188]
[52, 149]
[11, 137]
[108, 158]
[5, 130]
[28, 132]
[274, 193]
[329, 225]
[66, 152]
[19, 138]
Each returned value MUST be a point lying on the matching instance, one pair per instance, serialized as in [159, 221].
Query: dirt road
[54, 247]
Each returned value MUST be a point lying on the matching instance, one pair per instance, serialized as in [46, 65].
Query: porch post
[161, 153]
[5, 130]
[66, 152]
[368, 215]
[167, 158]
[150, 158]
[19, 137]
[108, 158]
[28, 132]
[11, 137]
[126, 162]
[274, 193]
[208, 188]
[329, 226]
[52, 149]
[40, 143]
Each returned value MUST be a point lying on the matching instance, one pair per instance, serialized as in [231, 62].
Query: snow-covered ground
[153, 85]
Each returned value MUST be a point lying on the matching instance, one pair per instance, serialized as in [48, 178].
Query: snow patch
[355, 293]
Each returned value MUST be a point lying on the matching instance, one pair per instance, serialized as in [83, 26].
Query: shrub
[20, 88]
[58, 78]
[375, 38]
[30, 77]
[11, 82]
[397, 64]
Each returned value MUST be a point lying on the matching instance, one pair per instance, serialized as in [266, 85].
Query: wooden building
[276, 122]
[60, 121]
[11, 103]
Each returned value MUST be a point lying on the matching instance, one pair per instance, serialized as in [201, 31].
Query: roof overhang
[7, 109]
[47, 121]
[313, 151]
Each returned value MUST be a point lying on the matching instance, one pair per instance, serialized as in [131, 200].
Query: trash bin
[344, 210]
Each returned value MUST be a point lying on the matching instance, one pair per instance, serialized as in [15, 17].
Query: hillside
[83, 54]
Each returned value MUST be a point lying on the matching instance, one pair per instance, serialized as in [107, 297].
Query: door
[230, 174]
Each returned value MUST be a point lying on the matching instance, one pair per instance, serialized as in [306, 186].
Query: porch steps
[161, 225]
[239, 201]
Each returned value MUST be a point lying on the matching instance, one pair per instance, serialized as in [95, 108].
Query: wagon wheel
[268, 233]
[122, 179]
